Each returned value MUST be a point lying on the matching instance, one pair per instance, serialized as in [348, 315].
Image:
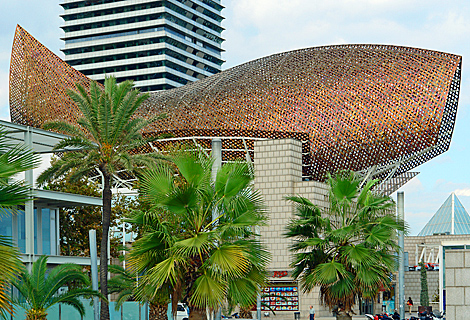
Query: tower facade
[160, 44]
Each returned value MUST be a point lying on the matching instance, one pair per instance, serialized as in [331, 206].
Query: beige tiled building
[278, 173]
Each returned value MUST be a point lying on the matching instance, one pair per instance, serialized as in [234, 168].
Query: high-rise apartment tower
[160, 44]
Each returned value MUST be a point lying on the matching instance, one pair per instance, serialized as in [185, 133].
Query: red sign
[279, 274]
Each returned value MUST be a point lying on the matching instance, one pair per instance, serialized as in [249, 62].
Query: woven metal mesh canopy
[352, 106]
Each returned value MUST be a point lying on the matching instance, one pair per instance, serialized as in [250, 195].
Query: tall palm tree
[103, 139]
[348, 250]
[205, 261]
[14, 159]
[39, 289]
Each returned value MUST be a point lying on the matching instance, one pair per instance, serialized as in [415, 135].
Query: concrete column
[29, 205]
[216, 154]
[54, 235]
[94, 271]
[39, 231]
[441, 278]
[278, 167]
[401, 244]
[57, 230]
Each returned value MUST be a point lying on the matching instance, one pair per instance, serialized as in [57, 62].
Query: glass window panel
[46, 231]
[6, 225]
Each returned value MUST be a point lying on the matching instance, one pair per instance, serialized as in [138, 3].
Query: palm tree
[204, 261]
[14, 159]
[125, 283]
[347, 250]
[147, 251]
[104, 140]
[122, 283]
[39, 289]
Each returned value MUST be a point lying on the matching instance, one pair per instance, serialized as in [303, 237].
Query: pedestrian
[410, 303]
[312, 313]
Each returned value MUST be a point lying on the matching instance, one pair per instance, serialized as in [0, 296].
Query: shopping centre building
[378, 110]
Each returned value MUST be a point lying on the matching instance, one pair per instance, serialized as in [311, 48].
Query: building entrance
[366, 306]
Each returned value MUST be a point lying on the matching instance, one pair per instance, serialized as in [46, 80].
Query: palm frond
[10, 265]
[346, 250]
[229, 260]
[209, 292]
[65, 128]
[39, 290]
[12, 195]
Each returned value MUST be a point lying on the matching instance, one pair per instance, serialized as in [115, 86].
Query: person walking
[312, 313]
[410, 303]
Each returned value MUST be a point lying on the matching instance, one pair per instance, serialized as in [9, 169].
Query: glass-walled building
[158, 44]
[46, 230]
[46, 235]
[35, 227]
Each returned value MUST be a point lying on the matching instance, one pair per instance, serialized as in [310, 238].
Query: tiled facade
[457, 279]
[413, 288]
[435, 240]
[278, 173]
[414, 246]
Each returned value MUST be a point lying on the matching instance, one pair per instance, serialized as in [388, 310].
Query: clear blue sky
[256, 28]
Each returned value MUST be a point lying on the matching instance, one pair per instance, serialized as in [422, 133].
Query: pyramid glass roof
[441, 222]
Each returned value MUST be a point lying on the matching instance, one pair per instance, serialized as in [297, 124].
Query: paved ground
[334, 318]
[407, 315]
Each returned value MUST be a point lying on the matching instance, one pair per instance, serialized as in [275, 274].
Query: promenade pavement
[334, 318]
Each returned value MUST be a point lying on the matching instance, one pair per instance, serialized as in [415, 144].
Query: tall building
[160, 44]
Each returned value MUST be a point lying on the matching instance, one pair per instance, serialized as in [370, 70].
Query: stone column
[278, 166]
[457, 274]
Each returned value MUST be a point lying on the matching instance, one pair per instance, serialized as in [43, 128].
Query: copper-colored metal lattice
[38, 83]
[353, 106]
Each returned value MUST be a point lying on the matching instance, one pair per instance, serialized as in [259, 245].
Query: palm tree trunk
[104, 312]
[197, 314]
[158, 312]
[245, 313]
[343, 316]
[34, 314]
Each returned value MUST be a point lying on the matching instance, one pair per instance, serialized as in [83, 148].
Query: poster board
[281, 298]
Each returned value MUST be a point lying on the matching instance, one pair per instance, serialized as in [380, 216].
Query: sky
[257, 28]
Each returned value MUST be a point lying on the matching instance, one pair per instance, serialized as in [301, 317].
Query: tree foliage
[14, 159]
[75, 222]
[204, 261]
[39, 289]
[104, 141]
[348, 249]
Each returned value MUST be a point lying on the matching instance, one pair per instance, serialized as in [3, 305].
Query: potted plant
[424, 296]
